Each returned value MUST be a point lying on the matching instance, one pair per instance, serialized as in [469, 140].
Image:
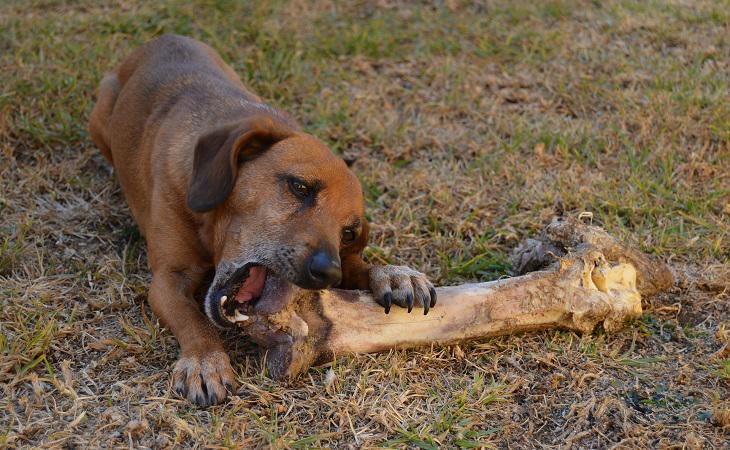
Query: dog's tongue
[253, 286]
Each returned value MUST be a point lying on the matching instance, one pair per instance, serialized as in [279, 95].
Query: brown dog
[218, 180]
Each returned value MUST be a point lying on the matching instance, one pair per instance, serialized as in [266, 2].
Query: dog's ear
[218, 154]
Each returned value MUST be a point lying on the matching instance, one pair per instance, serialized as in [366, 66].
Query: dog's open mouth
[252, 286]
[241, 291]
[247, 284]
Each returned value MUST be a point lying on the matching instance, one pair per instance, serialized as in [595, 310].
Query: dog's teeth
[224, 299]
[240, 317]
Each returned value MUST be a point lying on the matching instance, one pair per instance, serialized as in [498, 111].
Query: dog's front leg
[203, 374]
[389, 284]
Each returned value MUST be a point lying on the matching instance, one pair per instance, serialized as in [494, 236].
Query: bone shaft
[358, 325]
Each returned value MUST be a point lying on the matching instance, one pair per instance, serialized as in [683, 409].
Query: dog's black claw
[229, 388]
[387, 301]
[180, 390]
[201, 401]
[212, 398]
[426, 306]
[432, 291]
[409, 301]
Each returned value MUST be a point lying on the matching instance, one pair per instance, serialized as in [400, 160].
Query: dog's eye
[348, 236]
[298, 188]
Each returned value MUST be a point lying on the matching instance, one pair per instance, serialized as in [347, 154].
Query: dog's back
[173, 78]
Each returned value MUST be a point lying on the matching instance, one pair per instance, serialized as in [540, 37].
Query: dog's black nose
[324, 270]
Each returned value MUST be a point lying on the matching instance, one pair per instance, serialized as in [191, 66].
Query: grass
[470, 124]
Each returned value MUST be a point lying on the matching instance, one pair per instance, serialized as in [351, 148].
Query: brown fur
[203, 165]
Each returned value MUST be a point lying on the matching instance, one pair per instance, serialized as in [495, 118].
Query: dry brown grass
[470, 125]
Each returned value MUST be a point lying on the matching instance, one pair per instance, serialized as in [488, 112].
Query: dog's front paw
[204, 379]
[403, 286]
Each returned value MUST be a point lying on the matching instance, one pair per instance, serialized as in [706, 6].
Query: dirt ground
[471, 124]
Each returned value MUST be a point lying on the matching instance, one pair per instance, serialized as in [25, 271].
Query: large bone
[591, 280]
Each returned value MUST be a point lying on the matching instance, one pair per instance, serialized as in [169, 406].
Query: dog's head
[282, 207]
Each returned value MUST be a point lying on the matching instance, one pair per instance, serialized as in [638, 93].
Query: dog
[217, 180]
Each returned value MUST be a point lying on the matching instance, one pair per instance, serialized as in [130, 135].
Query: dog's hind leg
[106, 97]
